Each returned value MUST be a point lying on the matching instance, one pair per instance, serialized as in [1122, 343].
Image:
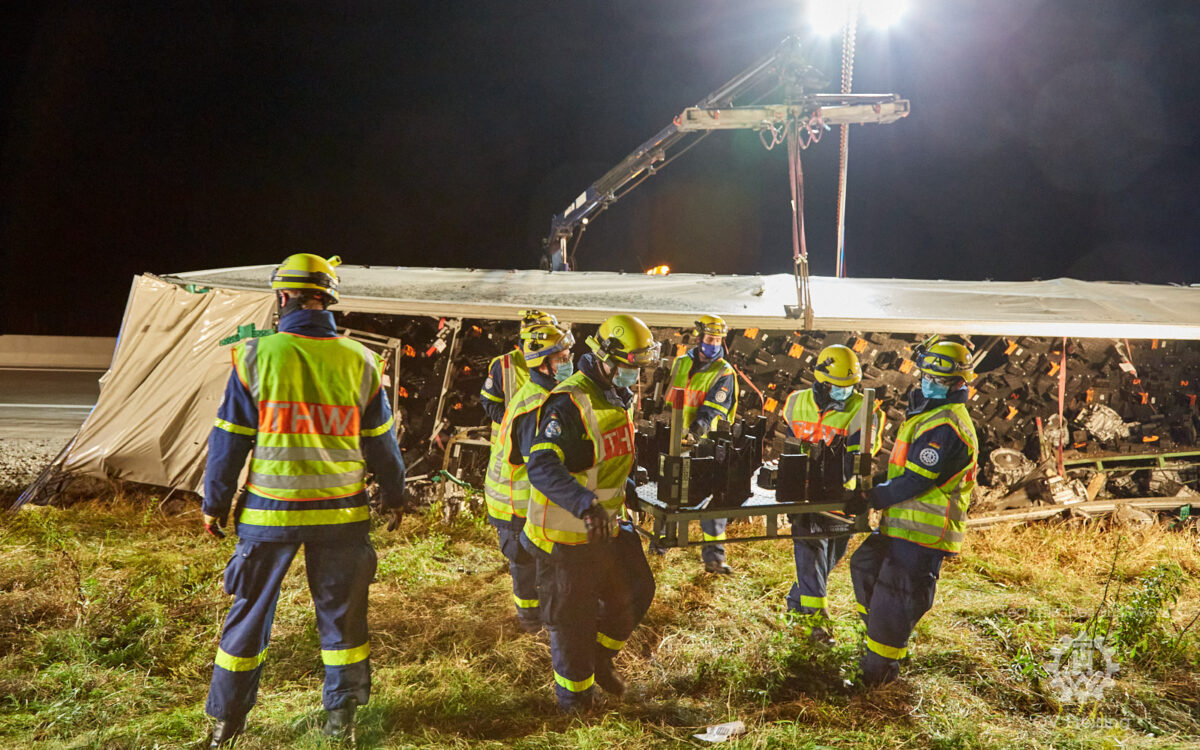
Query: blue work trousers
[714, 533]
[523, 568]
[593, 597]
[894, 582]
[339, 574]
[815, 558]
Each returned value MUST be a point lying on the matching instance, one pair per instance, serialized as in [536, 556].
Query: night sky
[1047, 138]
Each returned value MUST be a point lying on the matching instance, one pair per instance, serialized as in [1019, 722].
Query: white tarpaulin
[158, 400]
[1060, 307]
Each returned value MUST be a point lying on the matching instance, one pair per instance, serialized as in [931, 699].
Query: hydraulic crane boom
[785, 67]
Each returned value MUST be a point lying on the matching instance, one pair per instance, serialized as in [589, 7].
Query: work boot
[608, 679]
[225, 731]
[529, 624]
[339, 723]
[719, 567]
[819, 636]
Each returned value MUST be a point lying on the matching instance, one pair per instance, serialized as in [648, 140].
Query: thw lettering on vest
[618, 442]
[680, 398]
[300, 418]
[813, 431]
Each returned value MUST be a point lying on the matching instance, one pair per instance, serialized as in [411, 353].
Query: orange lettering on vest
[299, 418]
[618, 442]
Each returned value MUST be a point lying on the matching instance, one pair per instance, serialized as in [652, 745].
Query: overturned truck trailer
[1129, 372]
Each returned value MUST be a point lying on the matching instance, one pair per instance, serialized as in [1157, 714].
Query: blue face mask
[840, 392]
[711, 351]
[564, 371]
[625, 377]
[933, 389]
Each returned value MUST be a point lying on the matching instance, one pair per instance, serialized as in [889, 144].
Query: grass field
[110, 613]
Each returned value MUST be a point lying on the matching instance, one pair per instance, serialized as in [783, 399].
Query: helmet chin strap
[607, 370]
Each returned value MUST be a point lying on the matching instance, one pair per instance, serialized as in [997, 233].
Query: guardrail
[57, 352]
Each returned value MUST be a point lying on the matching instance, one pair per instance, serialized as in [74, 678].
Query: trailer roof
[1058, 307]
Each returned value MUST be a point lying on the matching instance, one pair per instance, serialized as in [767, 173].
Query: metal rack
[670, 525]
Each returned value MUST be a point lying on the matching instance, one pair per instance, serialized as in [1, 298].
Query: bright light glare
[827, 16]
[659, 271]
[884, 13]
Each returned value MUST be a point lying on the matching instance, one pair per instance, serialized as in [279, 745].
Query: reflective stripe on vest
[610, 429]
[514, 374]
[311, 393]
[506, 486]
[688, 390]
[937, 517]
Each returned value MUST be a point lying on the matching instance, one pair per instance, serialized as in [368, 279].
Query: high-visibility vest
[610, 429]
[808, 423]
[506, 486]
[937, 517]
[514, 374]
[689, 390]
[307, 467]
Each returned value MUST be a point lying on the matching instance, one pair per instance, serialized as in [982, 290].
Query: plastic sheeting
[158, 400]
[1060, 307]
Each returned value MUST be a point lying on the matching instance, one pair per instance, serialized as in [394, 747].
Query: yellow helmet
[308, 271]
[531, 318]
[838, 365]
[945, 359]
[713, 325]
[543, 339]
[624, 340]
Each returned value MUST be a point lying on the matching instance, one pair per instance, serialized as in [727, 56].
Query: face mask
[710, 351]
[933, 389]
[840, 392]
[625, 377]
[564, 370]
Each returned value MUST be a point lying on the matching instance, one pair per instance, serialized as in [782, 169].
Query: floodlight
[826, 17]
[884, 13]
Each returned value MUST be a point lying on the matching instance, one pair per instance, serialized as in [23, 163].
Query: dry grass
[110, 612]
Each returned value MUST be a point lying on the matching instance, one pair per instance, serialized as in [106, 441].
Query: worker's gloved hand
[213, 524]
[631, 497]
[857, 503]
[598, 524]
[395, 516]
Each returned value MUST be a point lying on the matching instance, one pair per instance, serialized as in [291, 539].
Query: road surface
[45, 403]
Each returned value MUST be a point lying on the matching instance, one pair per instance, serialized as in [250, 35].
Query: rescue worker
[827, 411]
[508, 372]
[307, 407]
[930, 477]
[703, 385]
[546, 349]
[593, 578]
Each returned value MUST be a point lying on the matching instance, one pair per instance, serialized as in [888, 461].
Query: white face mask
[840, 392]
[625, 377]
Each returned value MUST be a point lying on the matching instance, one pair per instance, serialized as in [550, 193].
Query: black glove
[598, 524]
[631, 497]
[857, 503]
[213, 524]
[395, 515]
